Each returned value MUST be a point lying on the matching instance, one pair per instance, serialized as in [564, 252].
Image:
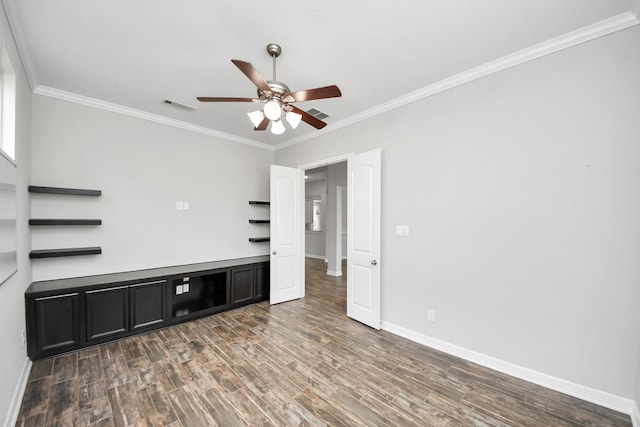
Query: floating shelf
[61, 190]
[259, 221]
[54, 253]
[49, 221]
[259, 239]
[256, 202]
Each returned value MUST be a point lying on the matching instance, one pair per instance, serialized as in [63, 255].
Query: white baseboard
[315, 257]
[635, 415]
[601, 398]
[18, 393]
[334, 273]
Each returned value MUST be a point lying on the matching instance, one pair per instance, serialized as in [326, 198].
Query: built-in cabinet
[68, 314]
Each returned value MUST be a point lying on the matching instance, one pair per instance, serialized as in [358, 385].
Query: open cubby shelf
[63, 190]
[64, 221]
[55, 253]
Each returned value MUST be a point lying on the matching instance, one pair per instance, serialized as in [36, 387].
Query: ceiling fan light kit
[277, 98]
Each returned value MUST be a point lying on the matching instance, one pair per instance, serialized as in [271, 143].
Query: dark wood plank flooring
[298, 363]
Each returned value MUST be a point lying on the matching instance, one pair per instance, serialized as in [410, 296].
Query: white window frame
[7, 107]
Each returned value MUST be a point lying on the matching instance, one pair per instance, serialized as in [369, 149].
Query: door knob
[274, 253]
[374, 262]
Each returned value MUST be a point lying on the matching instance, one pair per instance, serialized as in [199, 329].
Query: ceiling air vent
[318, 114]
[179, 105]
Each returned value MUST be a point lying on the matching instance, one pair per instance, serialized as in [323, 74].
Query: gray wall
[14, 355]
[143, 169]
[522, 193]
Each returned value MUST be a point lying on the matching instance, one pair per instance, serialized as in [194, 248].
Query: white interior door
[363, 242]
[287, 234]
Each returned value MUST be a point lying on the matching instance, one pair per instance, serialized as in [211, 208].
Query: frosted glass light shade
[277, 127]
[273, 109]
[256, 117]
[293, 119]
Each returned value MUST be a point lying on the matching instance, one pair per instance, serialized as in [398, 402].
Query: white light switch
[185, 206]
[402, 230]
[179, 206]
[179, 290]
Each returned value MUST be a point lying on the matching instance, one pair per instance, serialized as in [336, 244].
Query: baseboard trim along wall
[617, 403]
[316, 257]
[16, 400]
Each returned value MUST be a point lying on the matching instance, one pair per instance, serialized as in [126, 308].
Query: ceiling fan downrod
[274, 51]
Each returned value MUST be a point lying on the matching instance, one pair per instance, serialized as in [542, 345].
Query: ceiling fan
[277, 98]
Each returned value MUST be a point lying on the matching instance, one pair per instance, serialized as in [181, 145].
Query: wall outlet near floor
[431, 315]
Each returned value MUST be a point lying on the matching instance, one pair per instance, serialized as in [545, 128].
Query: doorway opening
[326, 223]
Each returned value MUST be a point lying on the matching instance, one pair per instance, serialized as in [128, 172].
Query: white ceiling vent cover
[179, 105]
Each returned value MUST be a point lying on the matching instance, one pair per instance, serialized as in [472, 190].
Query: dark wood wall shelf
[56, 253]
[64, 221]
[64, 252]
[62, 190]
[259, 221]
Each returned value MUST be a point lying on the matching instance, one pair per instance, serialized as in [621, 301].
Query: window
[7, 108]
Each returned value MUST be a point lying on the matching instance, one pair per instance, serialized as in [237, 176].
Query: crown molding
[590, 32]
[132, 112]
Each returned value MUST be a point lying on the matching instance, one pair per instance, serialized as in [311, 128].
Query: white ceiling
[381, 53]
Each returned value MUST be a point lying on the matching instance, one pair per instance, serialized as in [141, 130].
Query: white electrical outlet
[431, 315]
[179, 290]
[24, 337]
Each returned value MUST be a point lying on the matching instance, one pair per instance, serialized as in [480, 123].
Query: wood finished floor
[297, 363]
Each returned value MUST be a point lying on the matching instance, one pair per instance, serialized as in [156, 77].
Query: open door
[363, 242]
[287, 234]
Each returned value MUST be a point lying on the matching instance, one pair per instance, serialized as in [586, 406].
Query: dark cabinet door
[107, 312]
[54, 325]
[261, 282]
[242, 286]
[148, 304]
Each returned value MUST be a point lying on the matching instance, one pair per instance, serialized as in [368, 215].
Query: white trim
[334, 273]
[18, 393]
[635, 415]
[127, 111]
[590, 32]
[17, 33]
[601, 398]
[315, 257]
[330, 161]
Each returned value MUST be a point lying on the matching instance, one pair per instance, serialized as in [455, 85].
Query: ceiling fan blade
[308, 118]
[223, 99]
[263, 124]
[253, 75]
[318, 93]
